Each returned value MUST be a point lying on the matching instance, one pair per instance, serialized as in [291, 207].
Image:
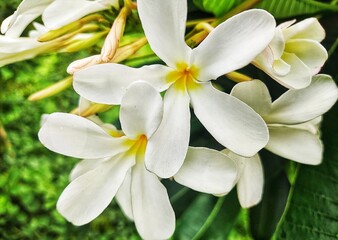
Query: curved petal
[27, 11]
[297, 106]
[85, 166]
[153, 215]
[164, 25]
[75, 136]
[309, 28]
[206, 170]
[295, 144]
[106, 83]
[141, 110]
[280, 67]
[277, 44]
[310, 52]
[299, 75]
[72, 11]
[87, 196]
[168, 146]
[233, 44]
[230, 121]
[123, 196]
[255, 94]
[251, 182]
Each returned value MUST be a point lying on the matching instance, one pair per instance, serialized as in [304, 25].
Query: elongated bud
[113, 39]
[79, 44]
[52, 90]
[71, 27]
[94, 109]
[127, 51]
[83, 63]
[238, 77]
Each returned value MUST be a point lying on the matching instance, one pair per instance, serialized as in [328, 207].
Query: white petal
[230, 121]
[164, 25]
[206, 170]
[309, 28]
[277, 44]
[27, 11]
[62, 12]
[106, 83]
[75, 136]
[141, 110]
[233, 44]
[310, 52]
[255, 94]
[123, 196]
[88, 195]
[299, 75]
[168, 146]
[251, 182]
[280, 67]
[295, 144]
[297, 106]
[153, 214]
[85, 166]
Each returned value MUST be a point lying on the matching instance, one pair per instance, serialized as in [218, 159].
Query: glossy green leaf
[216, 7]
[313, 209]
[208, 217]
[291, 8]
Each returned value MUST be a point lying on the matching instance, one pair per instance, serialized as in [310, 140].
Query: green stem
[292, 189]
[210, 219]
[333, 48]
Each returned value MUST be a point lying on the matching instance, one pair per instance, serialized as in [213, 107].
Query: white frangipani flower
[231, 45]
[292, 119]
[295, 53]
[27, 11]
[55, 13]
[114, 166]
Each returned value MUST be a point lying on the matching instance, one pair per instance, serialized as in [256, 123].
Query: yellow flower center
[139, 147]
[184, 77]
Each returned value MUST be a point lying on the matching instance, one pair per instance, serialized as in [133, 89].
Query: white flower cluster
[128, 164]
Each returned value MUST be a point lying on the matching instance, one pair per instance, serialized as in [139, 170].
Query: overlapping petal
[73, 10]
[85, 166]
[27, 11]
[141, 110]
[295, 144]
[297, 106]
[309, 28]
[75, 136]
[106, 83]
[164, 25]
[123, 196]
[233, 44]
[230, 121]
[168, 146]
[153, 213]
[88, 195]
[255, 94]
[310, 52]
[207, 171]
[299, 76]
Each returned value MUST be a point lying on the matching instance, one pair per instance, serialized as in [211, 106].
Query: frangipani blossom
[292, 119]
[231, 45]
[295, 53]
[55, 13]
[114, 165]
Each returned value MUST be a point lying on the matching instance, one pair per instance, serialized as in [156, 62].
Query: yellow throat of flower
[184, 77]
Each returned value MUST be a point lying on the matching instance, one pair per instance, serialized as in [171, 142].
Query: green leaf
[217, 7]
[313, 209]
[208, 217]
[291, 8]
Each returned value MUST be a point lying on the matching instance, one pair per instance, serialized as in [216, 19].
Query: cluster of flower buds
[153, 142]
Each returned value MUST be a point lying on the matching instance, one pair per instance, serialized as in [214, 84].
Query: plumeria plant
[212, 98]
